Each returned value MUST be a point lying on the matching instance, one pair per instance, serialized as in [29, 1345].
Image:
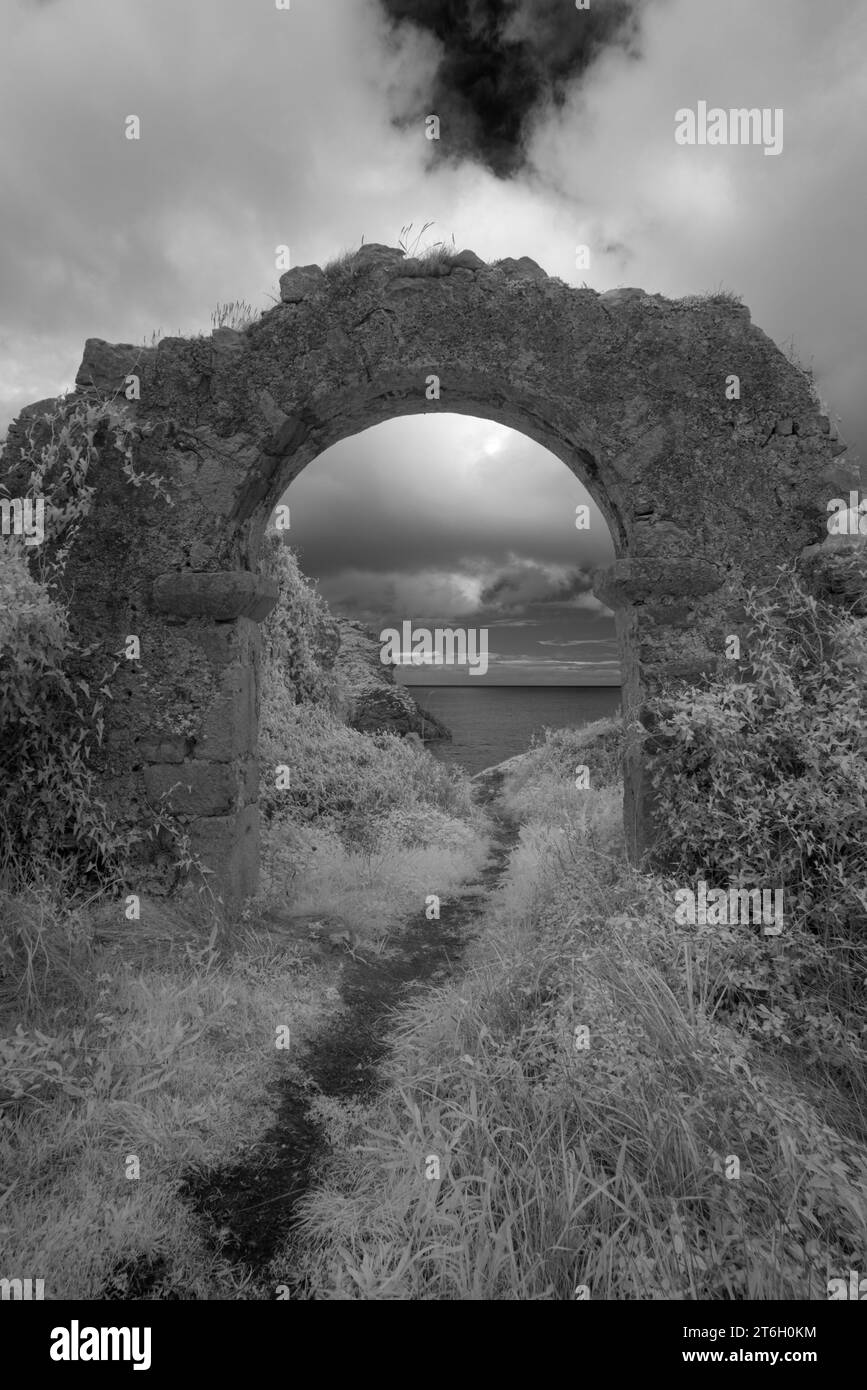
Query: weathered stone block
[467, 260]
[623, 295]
[301, 282]
[195, 788]
[414, 284]
[639, 457]
[521, 269]
[375, 254]
[230, 846]
[163, 748]
[221, 595]
[654, 537]
[836, 570]
[228, 644]
[288, 434]
[229, 728]
[634, 581]
[250, 780]
[229, 340]
[691, 669]
[106, 366]
[676, 615]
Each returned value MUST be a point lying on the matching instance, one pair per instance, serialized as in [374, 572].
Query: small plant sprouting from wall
[157, 336]
[342, 269]
[413, 250]
[434, 259]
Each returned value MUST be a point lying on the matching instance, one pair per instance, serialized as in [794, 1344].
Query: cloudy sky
[461, 522]
[305, 126]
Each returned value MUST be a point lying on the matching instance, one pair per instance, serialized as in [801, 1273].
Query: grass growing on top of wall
[430, 261]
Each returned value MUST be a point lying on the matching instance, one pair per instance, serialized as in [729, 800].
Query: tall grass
[134, 1052]
[369, 825]
[762, 782]
[664, 1150]
[237, 314]
[105, 1060]
[604, 1105]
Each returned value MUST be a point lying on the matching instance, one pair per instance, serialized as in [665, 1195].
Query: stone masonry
[704, 495]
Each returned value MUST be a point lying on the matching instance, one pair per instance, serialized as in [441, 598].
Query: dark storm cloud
[526, 584]
[504, 62]
[264, 126]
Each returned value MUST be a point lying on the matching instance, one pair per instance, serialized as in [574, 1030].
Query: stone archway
[704, 494]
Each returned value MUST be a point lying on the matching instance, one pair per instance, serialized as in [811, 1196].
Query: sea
[491, 724]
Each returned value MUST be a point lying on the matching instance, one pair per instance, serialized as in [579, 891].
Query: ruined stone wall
[704, 493]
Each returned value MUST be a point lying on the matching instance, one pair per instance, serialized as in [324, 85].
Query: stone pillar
[666, 634]
[207, 773]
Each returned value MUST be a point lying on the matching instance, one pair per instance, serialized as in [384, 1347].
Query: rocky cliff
[377, 703]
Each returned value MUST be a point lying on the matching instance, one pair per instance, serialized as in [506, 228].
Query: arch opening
[472, 519]
[337, 420]
[465, 534]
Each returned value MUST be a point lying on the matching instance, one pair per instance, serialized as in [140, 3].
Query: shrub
[300, 637]
[598, 745]
[540, 785]
[346, 781]
[51, 820]
[48, 807]
[764, 781]
[564, 1164]
[345, 778]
